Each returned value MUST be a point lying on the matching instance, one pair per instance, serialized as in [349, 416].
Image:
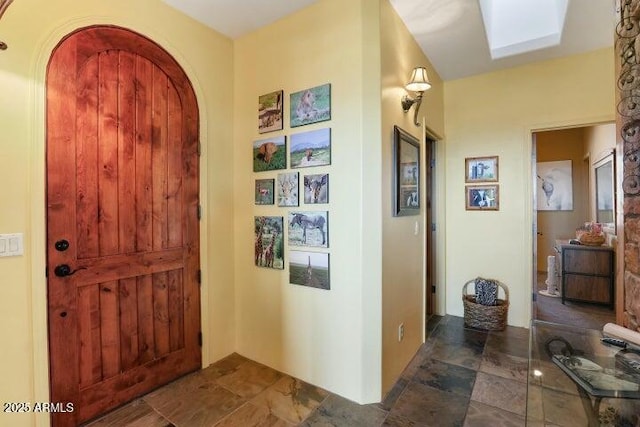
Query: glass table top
[574, 377]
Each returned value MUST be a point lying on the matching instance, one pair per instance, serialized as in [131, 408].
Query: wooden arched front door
[122, 221]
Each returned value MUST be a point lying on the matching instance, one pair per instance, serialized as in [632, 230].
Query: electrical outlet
[400, 332]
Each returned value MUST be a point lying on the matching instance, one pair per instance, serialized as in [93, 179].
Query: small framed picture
[406, 188]
[270, 154]
[269, 241]
[316, 188]
[482, 197]
[270, 112]
[310, 105]
[309, 269]
[481, 169]
[287, 188]
[264, 191]
[309, 229]
[311, 148]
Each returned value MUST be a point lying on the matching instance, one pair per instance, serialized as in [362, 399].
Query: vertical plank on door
[146, 340]
[144, 195]
[126, 153]
[176, 320]
[161, 313]
[108, 153]
[175, 168]
[110, 325]
[129, 345]
[87, 160]
[89, 335]
[159, 156]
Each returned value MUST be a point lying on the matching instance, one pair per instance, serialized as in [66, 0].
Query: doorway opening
[430, 285]
[564, 204]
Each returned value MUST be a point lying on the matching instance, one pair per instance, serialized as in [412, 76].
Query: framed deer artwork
[287, 189]
[264, 191]
[316, 188]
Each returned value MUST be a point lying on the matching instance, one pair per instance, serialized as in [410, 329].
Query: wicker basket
[487, 317]
[591, 239]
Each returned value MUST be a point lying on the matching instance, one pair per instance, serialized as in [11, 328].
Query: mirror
[605, 191]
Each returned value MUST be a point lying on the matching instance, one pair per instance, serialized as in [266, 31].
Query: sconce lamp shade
[419, 81]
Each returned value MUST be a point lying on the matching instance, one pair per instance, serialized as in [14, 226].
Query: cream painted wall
[32, 28]
[494, 114]
[330, 338]
[403, 253]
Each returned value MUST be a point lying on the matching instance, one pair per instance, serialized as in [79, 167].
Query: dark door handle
[63, 270]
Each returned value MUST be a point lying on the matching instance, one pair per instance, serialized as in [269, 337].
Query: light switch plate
[11, 244]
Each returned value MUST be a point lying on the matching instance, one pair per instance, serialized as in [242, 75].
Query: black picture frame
[406, 173]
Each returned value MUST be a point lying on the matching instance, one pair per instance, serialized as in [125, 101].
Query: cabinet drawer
[587, 288]
[587, 261]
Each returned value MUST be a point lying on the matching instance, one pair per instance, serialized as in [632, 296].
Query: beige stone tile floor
[459, 377]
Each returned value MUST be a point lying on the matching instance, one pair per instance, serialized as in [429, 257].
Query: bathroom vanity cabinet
[587, 274]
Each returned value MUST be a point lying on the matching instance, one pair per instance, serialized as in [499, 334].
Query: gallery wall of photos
[291, 184]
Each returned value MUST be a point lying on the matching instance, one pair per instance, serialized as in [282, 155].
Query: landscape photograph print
[269, 242]
[309, 269]
[311, 148]
[270, 112]
[310, 105]
[270, 154]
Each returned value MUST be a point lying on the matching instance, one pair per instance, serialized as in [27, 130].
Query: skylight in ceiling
[518, 26]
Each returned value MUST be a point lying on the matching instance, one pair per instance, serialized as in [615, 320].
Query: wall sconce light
[4, 4]
[418, 83]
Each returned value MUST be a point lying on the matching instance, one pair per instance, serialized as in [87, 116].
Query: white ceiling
[450, 32]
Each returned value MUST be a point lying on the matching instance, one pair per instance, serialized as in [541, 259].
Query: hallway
[583, 315]
[459, 377]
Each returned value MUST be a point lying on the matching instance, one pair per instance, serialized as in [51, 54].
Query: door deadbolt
[62, 245]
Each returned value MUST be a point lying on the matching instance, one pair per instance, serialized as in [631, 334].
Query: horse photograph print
[309, 269]
[555, 187]
[270, 112]
[310, 105]
[287, 188]
[270, 154]
[269, 242]
[311, 148]
[264, 191]
[316, 188]
[309, 229]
